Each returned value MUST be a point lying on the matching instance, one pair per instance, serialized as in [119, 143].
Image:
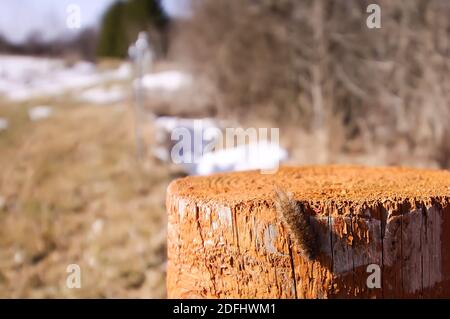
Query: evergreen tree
[125, 19]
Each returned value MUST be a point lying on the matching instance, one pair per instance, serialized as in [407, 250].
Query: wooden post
[225, 239]
[141, 54]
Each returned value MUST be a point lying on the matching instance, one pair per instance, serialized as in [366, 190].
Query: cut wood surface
[225, 239]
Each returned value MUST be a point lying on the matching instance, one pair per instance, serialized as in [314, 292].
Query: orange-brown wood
[225, 239]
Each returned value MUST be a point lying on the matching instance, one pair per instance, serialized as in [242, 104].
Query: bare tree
[317, 63]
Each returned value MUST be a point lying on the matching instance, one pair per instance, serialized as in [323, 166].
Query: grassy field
[72, 192]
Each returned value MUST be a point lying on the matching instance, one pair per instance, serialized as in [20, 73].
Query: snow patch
[38, 113]
[23, 78]
[4, 124]
[112, 95]
[201, 132]
[259, 155]
[166, 81]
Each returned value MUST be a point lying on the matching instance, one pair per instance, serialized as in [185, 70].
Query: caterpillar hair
[297, 222]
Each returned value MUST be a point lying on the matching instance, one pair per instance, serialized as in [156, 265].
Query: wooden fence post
[386, 226]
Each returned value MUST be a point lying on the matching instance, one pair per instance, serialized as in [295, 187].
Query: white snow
[23, 77]
[102, 95]
[196, 135]
[166, 81]
[3, 124]
[200, 133]
[169, 123]
[40, 112]
[262, 155]
[124, 71]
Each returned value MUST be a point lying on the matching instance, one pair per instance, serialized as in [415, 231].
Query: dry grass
[73, 193]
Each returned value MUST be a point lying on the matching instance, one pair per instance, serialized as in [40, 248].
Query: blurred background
[88, 102]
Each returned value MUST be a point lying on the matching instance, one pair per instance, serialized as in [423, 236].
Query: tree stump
[225, 239]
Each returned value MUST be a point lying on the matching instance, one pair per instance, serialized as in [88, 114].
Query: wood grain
[225, 241]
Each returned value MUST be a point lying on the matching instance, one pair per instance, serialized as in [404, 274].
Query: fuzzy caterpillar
[297, 223]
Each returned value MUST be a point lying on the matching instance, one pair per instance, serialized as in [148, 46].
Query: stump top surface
[334, 183]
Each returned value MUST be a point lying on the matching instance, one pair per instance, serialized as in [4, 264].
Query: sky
[19, 18]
